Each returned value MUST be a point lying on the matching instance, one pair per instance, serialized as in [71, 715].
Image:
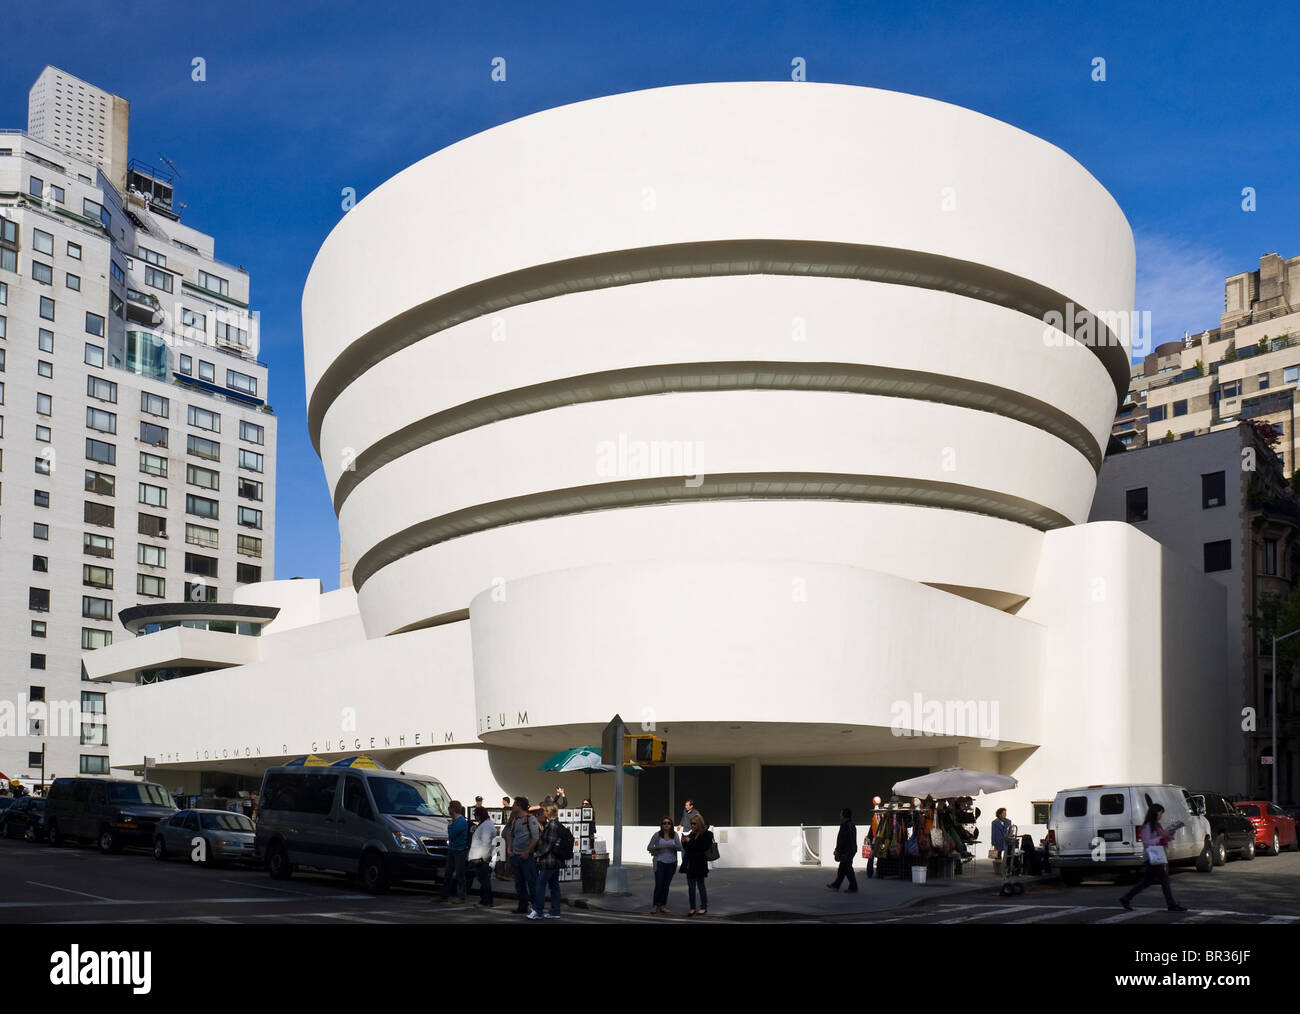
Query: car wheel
[30, 834]
[1276, 847]
[277, 862]
[109, 841]
[373, 873]
[54, 836]
[1220, 850]
[1205, 861]
[1249, 851]
[159, 849]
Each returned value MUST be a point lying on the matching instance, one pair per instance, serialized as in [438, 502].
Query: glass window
[38, 599]
[204, 419]
[91, 209]
[98, 514]
[153, 526]
[154, 404]
[74, 250]
[1218, 556]
[72, 281]
[250, 460]
[45, 340]
[1180, 407]
[198, 476]
[1212, 490]
[1268, 557]
[150, 585]
[47, 308]
[42, 272]
[97, 545]
[38, 628]
[94, 324]
[207, 371]
[201, 506]
[151, 257]
[1076, 806]
[198, 591]
[91, 765]
[98, 450]
[158, 279]
[43, 466]
[198, 321]
[40, 530]
[41, 564]
[1263, 381]
[94, 355]
[250, 545]
[104, 390]
[251, 432]
[116, 271]
[100, 483]
[1228, 389]
[44, 369]
[203, 448]
[204, 566]
[98, 419]
[93, 733]
[153, 464]
[247, 573]
[200, 535]
[1291, 375]
[250, 489]
[154, 496]
[241, 382]
[96, 609]
[42, 242]
[213, 284]
[44, 404]
[36, 186]
[187, 365]
[249, 517]
[41, 498]
[43, 433]
[96, 577]
[150, 556]
[92, 702]
[153, 434]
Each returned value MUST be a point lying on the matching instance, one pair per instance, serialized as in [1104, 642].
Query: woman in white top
[665, 846]
[479, 859]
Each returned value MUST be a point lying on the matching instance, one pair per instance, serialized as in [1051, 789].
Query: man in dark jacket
[846, 845]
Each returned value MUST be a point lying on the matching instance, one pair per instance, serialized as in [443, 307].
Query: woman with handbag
[664, 848]
[698, 851]
[1155, 868]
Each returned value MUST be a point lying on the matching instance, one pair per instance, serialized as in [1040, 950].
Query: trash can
[918, 874]
[594, 869]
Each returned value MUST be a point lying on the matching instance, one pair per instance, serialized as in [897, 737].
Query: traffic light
[644, 749]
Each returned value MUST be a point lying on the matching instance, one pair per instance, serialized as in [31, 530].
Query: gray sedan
[205, 836]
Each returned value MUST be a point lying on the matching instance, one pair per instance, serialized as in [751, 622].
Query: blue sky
[304, 99]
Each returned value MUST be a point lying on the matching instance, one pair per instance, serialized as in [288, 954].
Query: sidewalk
[758, 893]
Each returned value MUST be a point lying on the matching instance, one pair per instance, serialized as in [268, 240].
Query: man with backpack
[554, 849]
[522, 837]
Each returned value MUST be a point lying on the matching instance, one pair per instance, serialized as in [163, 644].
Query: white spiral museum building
[746, 411]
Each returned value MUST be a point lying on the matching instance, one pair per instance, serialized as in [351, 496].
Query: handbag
[866, 850]
[711, 854]
[1155, 855]
[993, 853]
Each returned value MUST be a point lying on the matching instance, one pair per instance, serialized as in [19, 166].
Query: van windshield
[132, 793]
[410, 797]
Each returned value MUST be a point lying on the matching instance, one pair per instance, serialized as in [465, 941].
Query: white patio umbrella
[952, 782]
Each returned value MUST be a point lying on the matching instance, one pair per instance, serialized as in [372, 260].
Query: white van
[1093, 830]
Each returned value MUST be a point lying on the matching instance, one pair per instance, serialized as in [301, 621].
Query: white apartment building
[77, 117]
[136, 445]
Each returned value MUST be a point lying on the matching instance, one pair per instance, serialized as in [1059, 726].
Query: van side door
[1114, 823]
[91, 801]
[357, 818]
[311, 833]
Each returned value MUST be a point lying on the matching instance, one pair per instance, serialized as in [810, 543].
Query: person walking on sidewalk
[688, 812]
[549, 862]
[695, 863]
[457, 852]
[872, 832]
[846, 847]
[521, 842]
[664, 848]
[1155, 864]
[480, 855]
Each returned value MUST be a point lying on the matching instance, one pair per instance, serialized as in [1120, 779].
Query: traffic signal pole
[616, 879]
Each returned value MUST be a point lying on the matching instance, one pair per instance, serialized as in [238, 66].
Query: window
[250, 460]
[38, 599]
[1135, 505]
[198, 321]
[250, 489]
[150, 585]
[1212, 490]
[44, 369]
[4, 298]
[1180, 407]
[241, 382]
[37, 660]
[43, 434]
[187, 364]
[154, 404]
[202, 418]
[98, 450]
[152, 464]
[38, 628]
[196, 475]
[1268, 557]
[158, 279]
[42, 272]
[96, 608]
[47, 308]
[116, 271]
[72, 281]
[150, 556]
[213, 284]
[43, 465]
[98, 419]
[97, 545]
[91, 765]
[41, 564]
[200, 506]
[199, 535]
[93, 734]
[96, 577]
[42, 242]
[1291, 375]
[100, 483]
[41, 498]
[115, 304]
[250, 545]
[35, 186]
[4, 327]
[44, 404]
[40, 530]
[91, 702]
[229, 333]
[89, 209]
[98, 513]
[1230, 389]
[35, 758]
[197, 591]
[1218, 556]
[247, 573]
[204, 566]
[45, 340]
[154, 496]
[1263, 381]
[74, 250]
[251, 432]
[94, 324]
[94, 355]
[250, 517]
[153, 434]
[104, 390]
[207, 371]
[157, 259]
[152, 526]
[202, 448]
[56, 193]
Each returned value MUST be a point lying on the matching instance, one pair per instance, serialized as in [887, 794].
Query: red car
[1274, 829]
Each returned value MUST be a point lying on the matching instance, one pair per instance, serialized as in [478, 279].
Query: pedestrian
[561, 800]
[664, 847]
[687, 813]
[998, 838]
[695, 863]
[521, 842]
[457, 851]
[480, 855]
[846, 847]
[872, 833]
[1155, 863]
[548, 865]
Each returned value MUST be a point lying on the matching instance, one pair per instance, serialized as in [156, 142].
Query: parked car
[1093, 829]
[111, 811]
[26, 818]
[381, 825]
[1275, 829]
[227, 837]
[1230, 830]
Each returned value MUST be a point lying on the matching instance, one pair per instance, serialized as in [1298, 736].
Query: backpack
[563, 848]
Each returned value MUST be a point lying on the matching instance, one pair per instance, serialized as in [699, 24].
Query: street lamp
[1275, 640]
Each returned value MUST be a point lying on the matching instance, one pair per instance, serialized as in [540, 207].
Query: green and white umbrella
[582, 758]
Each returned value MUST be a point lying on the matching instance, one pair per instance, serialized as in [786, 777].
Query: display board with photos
[580, 820]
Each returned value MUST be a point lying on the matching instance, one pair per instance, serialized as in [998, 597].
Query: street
[78, 885]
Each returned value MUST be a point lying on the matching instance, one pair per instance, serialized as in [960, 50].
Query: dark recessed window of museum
[1212, 490]
[1218, 556]
[1135, 505]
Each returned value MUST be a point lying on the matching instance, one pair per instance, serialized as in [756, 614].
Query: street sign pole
[616, 878]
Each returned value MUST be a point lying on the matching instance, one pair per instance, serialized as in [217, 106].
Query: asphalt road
[78, 885]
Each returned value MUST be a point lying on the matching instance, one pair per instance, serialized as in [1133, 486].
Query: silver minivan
[1093, 829]
[382, 826]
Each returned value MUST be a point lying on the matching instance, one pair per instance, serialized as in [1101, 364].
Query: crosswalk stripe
[1070, 910]
[997, 910]
[1280, 919]
[1125, 916]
